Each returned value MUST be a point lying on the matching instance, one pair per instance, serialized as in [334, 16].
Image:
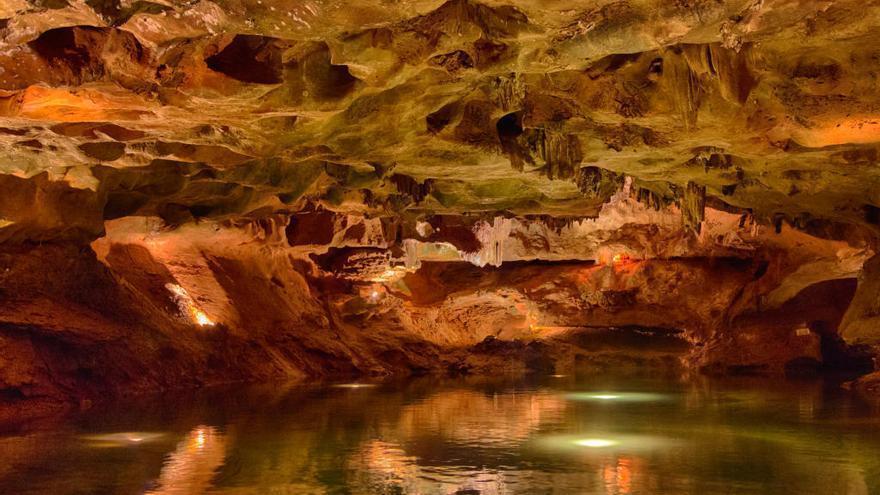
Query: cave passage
[439, 247]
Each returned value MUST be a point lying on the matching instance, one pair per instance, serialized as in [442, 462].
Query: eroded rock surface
[197, 192]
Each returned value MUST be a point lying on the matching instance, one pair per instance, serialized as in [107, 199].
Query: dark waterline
[430, 436]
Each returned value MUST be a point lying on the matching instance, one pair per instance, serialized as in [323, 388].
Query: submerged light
[617, 396]
[123, 439]
[595, 442]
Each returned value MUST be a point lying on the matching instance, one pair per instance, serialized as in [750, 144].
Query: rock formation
[209, 191]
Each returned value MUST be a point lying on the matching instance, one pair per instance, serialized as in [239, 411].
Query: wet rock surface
[200, 192]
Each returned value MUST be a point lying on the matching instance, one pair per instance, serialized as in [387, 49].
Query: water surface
[542, 435]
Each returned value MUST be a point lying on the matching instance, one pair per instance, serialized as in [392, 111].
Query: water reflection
[193, 464]
[479, 419]
[463, 437]
[595, 442]
[617, 396]
[353, 385]
[123, 439]
[603, 442]
[382, 467]
[379, 463]
[617, 475]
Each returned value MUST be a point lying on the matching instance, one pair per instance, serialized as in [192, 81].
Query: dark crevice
[438, 120]
[509, 129]
[709, 61]
[249, 58]
[62, 46]
[11, 394]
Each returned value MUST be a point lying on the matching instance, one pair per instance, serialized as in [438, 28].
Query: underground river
[535, 435]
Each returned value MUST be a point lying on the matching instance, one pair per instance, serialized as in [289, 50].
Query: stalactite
[509, 91]
[560, 152]
[693, 207]
[418, 191]
[598, 183]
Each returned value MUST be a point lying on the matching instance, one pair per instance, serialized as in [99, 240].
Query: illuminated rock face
[201, 192]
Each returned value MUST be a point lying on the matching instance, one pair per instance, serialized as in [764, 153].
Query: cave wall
[861, 324]
[123, 314]
[200, 192]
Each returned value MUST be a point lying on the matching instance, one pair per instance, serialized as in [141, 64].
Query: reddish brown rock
[215, 191]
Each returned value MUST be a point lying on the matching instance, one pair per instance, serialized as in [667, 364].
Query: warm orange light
[188, 306]
[201, 318]
[531, 320]
[200, 438]
[618, 478]
[391, 274]
[855, 129]
[39, 102]
[62, 105]
[193, 464]
[619, 258]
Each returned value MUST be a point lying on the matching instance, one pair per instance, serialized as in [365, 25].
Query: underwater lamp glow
[594, 443]
[616, 396]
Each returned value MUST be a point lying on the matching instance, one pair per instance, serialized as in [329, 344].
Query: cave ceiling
[241, 109]
[247, 189]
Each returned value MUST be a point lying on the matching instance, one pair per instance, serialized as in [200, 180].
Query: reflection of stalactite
[379, 466]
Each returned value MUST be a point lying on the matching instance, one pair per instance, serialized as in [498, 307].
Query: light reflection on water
[192, 465]
[122, 439]
[603, 442]
[461, 437]
[618, 396]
